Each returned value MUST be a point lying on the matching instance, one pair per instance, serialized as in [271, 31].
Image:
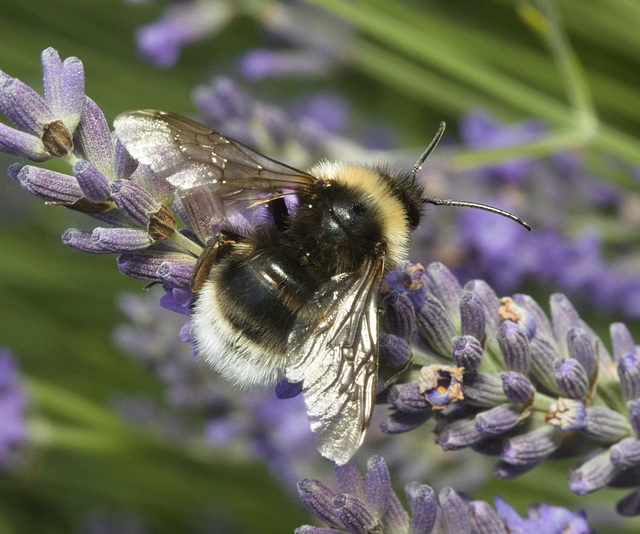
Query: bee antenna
[462, 203]
[485, 207]
[430, 148]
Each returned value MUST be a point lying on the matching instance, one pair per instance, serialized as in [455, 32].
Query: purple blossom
[543, 518]
[44, 126]
[13, 405]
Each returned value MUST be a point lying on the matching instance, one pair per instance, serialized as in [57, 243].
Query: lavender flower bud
[120, 239]
[567, 415]
[498, 420]
[629, 373]
[318, 499]
[531, 447]
[82, 240]
[582, 348]
[445, 287]
[633, 407]
[393, 350]
[48, 185]
[354, 515]
[483, 390]
[544, 330]
[423, 505]
[625, 453]
[484, 519]
[94, 185]
[287, 390]
[506, 471]
[401, 315]
[458, 435]
[408, 398]
[94, 138]
[401, 422]
[514, 345]
[563, 316]
[175, 274]
[517, 387]
[472, 316]
[606, 424]
[134, 201]
[144, 264]
[378, 486]
[455, 512]
[491, 305]
[435, 325]
[467, 352]
[350, 480]
[571, 378]
[592, 475]
[123, 163]
[621, 340]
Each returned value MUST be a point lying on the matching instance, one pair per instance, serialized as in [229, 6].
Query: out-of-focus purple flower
[44, 126]
[181, 24]
[543, 518]
[13, 404]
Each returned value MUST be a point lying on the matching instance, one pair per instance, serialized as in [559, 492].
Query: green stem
[187, 244]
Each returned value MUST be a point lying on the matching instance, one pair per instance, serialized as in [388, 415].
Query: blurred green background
[57, 306]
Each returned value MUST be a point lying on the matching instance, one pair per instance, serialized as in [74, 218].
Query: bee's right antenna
[462, 203]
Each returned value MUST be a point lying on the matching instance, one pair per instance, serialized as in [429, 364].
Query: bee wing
[210, 172]
[333, 351]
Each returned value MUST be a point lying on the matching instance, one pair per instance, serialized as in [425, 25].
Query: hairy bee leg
[213, 250]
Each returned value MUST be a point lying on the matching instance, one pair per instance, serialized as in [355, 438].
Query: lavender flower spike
[44, 127]
[380, 511]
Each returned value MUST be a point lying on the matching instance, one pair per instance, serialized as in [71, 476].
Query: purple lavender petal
[445, 287]
[582, 349]
[630, 505]
[458, 435]
[401, 422]
[435, 325]
[543, 518]
[349, 479]
[177, 300]
[144, 264]
[483, 390]
[287, 390]
[175, 274]
[260, 64]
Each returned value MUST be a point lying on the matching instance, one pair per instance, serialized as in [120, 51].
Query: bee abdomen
[244, 313]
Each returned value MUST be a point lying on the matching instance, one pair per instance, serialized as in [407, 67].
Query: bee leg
[212, 253]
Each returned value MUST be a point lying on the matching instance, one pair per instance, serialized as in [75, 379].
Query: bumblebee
[296, 295]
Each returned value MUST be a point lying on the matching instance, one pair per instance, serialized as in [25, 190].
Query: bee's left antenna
[462, 203]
